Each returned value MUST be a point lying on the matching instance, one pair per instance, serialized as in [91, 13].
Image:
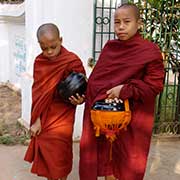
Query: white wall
[17, 53]
[4, 50]
[19, 47]
[75, 20]
[11, 31]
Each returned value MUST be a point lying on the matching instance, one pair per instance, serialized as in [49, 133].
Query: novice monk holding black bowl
[52, 118]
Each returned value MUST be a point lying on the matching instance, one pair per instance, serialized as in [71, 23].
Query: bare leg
[110, 177]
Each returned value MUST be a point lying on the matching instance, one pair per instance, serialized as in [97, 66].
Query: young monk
[128, 68]
[52, 120]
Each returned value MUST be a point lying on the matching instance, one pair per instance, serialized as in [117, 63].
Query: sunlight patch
[177, 168]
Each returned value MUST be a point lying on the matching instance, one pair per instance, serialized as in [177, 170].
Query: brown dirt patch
[11, 131]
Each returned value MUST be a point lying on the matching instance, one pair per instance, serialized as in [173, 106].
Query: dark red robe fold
[136, 63]
[51, 150]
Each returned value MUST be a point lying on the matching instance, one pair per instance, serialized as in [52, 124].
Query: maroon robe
[137, 64]
[51, 150]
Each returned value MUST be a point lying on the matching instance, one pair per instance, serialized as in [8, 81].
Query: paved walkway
[163, 162]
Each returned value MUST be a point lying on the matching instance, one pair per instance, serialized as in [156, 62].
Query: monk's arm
[148, 87]
[76, 66]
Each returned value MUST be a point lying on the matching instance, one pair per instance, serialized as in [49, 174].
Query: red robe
[137, 64]
[51, 150]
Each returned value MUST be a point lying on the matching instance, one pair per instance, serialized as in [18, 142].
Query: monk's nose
[121, 26]
[49, 51]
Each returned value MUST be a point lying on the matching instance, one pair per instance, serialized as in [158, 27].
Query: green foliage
[8, 139]
[155, 3]
[161, 22]
[19, 135]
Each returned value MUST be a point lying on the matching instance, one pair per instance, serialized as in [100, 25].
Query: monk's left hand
[114, 92]
[77, 100]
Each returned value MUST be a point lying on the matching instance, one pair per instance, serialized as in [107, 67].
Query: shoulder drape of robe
[51, 151]
[137, 64]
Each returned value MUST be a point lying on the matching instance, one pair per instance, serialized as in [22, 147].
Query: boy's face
[50, 45]
[126, 23]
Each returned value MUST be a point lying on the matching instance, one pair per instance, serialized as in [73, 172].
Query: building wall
[19, 46]
[74, 18]
[12, 43]
[17, 53]
[4, 49]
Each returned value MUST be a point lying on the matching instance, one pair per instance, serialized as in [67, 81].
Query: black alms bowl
[103, 106]
[74, 83]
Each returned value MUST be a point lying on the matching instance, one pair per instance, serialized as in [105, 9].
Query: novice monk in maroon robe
[128, 68]
[52, 120]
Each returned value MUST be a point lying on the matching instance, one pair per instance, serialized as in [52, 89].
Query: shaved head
[133, 6]
[48, 28]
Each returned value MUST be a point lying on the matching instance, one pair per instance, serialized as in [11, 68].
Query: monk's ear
[140, 24]
[60, 39]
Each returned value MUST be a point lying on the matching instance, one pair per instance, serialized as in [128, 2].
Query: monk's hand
[75, 100]
[35, 129]
[114, 92]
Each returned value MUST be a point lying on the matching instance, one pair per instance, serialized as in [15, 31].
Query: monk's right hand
[114, 92]
[35, 129]
[76, 100]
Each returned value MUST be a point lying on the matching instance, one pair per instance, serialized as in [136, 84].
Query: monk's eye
[44, 49]
[116, 22]
[53, 47]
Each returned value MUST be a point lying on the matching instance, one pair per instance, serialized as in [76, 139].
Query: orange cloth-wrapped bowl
[110, 121]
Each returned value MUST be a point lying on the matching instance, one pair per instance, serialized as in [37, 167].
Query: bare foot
[110, 178]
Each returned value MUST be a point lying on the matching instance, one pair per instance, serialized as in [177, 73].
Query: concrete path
[163, 162]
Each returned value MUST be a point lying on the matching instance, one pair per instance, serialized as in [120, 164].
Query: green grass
[13, 134]
[8, 139]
